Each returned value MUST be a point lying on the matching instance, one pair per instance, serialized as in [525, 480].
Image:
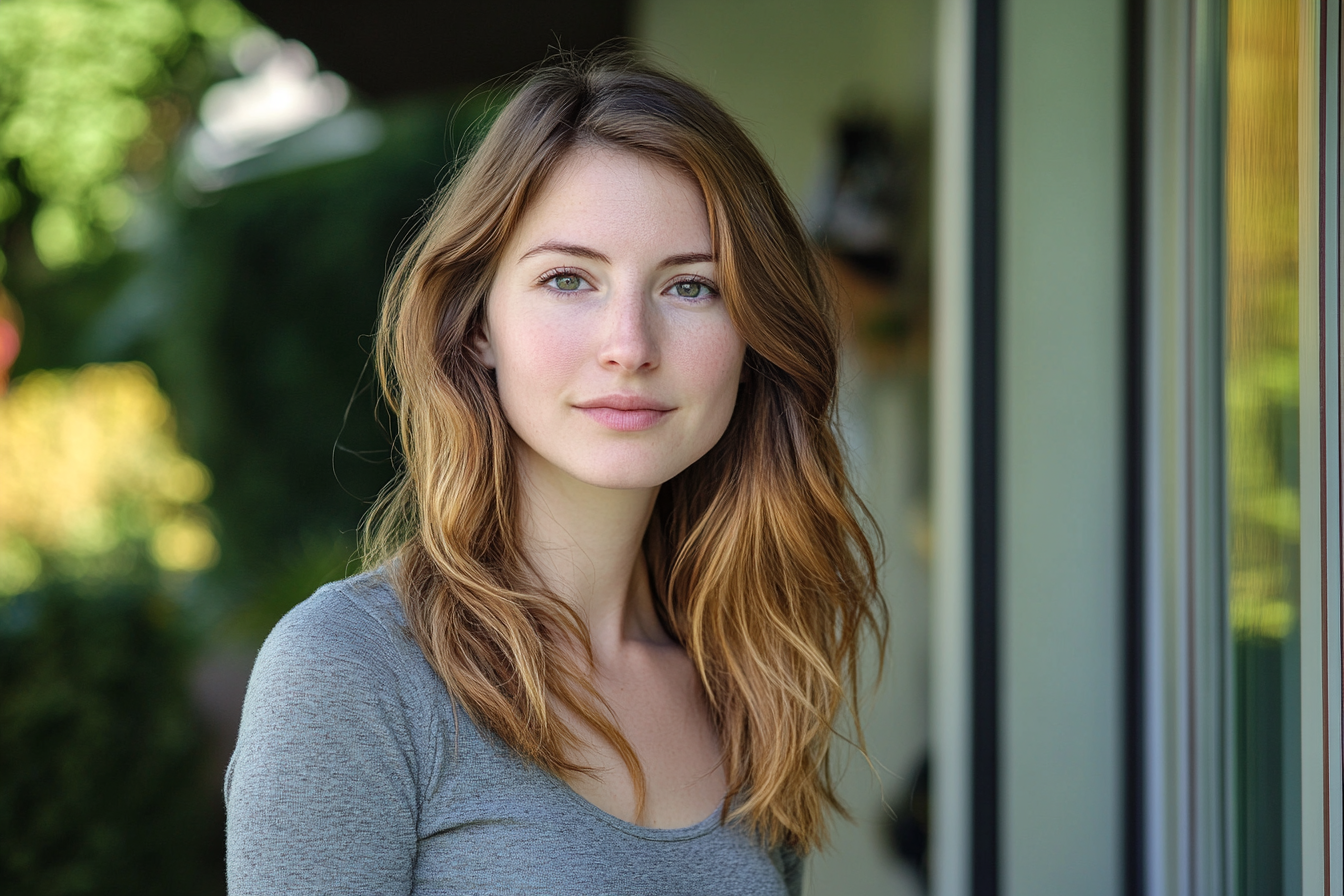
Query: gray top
[356, 773]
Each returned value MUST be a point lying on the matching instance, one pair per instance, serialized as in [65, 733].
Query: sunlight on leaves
[94, 480]
[1261, 386]
[77, 79]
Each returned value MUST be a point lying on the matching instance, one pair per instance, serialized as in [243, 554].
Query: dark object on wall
[401, 47]
[870, 215]
[866, 203]
[102, 785]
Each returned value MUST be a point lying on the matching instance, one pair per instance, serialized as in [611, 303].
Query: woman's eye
[567, 282]
[692, 289]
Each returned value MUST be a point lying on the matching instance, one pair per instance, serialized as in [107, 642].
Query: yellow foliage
[90, 466]
[185, 544]
[1261, 386]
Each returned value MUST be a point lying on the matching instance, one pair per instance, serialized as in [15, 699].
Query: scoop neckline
[690, 832]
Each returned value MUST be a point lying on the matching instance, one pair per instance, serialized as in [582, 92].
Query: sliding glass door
[1241, 771]
[1261, 414]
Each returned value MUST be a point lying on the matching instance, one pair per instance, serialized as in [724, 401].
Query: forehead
[598, 192]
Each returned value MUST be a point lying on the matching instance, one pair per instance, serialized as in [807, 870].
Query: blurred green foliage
[104, 788]
[256, 311]
[1261, 348]
[254, 307]
[83, 84]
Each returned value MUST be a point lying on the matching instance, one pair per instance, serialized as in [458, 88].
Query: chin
[624, 469]
[612, 466]
[617, 477]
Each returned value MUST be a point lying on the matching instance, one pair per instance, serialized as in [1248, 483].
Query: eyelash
[702, 281]
[546, 278]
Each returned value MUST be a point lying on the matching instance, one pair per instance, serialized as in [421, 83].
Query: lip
[624, 401]
[624, 412]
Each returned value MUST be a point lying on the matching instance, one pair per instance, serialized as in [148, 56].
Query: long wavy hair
[759, 565]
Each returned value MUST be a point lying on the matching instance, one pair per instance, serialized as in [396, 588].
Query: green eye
[691, 289]
[567, 282]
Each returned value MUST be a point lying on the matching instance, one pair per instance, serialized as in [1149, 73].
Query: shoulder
[345, 650]
[337, 739]
[340, 679]
[355, 618]
[353, 624]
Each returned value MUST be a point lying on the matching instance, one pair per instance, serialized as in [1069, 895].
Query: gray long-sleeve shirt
[356, 773]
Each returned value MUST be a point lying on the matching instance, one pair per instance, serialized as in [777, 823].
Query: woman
[618, 591]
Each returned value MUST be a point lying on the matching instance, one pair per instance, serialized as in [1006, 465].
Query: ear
[481, 346]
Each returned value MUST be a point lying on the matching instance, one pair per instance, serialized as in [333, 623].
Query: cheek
[531, 358]
[537, 351]
[713, 358]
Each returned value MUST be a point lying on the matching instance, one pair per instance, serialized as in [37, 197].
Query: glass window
[1261, 395]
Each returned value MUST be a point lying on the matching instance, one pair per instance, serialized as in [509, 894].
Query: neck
[586, 544]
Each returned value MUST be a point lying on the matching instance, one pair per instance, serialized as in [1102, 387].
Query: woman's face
[616, 362]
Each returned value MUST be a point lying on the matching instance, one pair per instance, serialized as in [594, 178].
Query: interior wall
[786, 69]
[1060, 451]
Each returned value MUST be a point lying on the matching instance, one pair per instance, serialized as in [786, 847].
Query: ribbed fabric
[356, 773]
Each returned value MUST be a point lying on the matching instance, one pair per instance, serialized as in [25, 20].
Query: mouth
[625, 413]
[621, 401]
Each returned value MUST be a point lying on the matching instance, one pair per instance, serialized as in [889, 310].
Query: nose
[629, 341]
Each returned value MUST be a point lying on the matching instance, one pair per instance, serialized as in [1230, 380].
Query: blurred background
[199, 200]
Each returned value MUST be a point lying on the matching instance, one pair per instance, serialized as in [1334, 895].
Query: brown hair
[758, 563]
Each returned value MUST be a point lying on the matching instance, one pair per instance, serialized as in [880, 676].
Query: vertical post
[984, 360]
[950, 629]
[1135, 472]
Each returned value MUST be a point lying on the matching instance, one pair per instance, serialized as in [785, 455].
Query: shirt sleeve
[321, 791]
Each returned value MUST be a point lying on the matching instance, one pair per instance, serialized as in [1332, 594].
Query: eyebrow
[585, 252]
[673, 261]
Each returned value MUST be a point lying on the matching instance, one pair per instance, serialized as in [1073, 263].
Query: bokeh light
[76, 82]
[95, 480]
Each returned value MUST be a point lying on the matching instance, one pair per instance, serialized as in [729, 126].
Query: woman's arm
[321, 791]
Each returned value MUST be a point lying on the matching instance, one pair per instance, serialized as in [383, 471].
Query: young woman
[617, 594]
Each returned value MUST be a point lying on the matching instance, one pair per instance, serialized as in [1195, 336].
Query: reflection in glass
[1261, 382]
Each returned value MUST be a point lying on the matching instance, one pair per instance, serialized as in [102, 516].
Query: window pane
[1262, 425]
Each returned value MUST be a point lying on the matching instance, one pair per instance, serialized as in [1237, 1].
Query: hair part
[759, 565]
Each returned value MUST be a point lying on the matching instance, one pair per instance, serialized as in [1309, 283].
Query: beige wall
[1061, 319]
[786, 67]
